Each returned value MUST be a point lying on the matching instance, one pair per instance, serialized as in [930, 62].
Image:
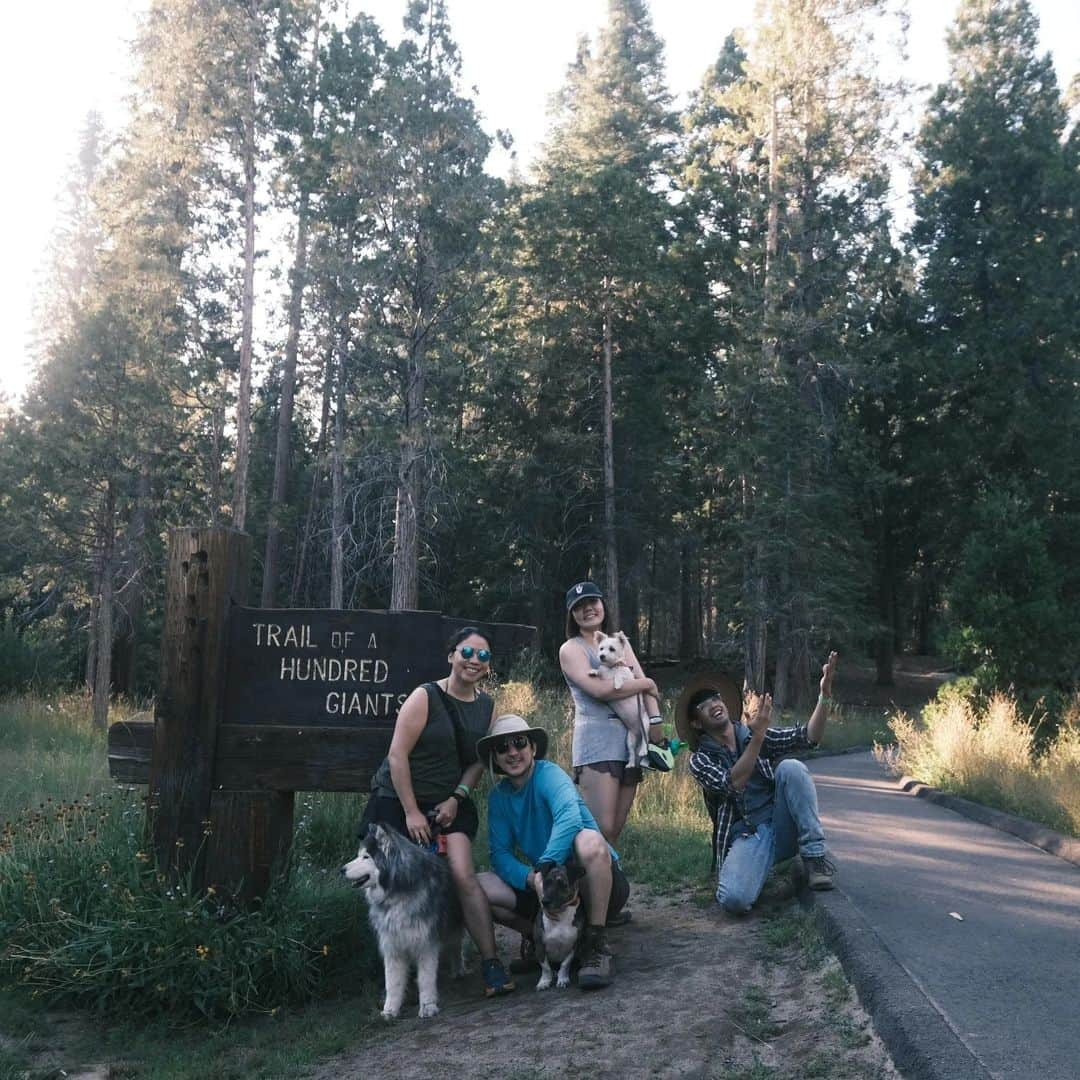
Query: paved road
[1006, 979]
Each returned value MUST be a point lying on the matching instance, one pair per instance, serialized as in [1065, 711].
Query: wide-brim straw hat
[509, 725]
[718, 682]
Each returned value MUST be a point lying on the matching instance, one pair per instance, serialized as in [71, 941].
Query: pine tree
[800, 171]
[597, 231]
[995, 202]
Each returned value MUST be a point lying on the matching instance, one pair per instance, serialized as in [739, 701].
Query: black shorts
[627, 775]
[386, 810]
[527, 903]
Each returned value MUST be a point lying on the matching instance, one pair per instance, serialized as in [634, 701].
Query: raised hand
[828, 670]
[759, 722]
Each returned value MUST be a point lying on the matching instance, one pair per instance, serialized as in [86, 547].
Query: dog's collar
[555, 911]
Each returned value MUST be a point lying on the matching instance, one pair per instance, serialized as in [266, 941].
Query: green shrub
[1008, 624]
[87, 921]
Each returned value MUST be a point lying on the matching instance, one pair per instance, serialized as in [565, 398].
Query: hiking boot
[597, 964]
[496, 981]
[620, 918]
[820, 872]
[526, 960]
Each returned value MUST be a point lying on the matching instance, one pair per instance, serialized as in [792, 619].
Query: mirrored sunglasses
[468, 652]
[518, 742]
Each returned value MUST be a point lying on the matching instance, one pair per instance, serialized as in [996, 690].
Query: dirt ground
[697, 994]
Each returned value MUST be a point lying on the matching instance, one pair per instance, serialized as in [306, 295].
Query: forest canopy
[690, 354]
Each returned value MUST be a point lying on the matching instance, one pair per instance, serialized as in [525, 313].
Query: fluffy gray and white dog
[560, 921]
[414, 911]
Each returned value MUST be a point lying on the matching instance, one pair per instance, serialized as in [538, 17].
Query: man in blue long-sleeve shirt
[535, 814]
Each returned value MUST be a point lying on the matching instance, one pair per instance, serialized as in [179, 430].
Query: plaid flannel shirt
[711, 765]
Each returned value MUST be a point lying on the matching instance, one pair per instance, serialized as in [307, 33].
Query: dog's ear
[623, 639]
[575, 872]
[543, 867]
[598, 636]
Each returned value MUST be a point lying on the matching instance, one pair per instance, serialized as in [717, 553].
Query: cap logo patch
[579, 589]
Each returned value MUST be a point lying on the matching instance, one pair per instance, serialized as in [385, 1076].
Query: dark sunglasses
[706, 703]
[467, 653]
[518, 742]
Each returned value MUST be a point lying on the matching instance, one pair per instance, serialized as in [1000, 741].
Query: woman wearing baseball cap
[601, 769]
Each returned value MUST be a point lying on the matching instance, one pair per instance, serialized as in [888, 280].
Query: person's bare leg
[601, 794]
[624, 799]
[595, 857]
[474, 901]
[501, 898]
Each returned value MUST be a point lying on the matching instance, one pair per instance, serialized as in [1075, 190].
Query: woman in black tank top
[432, 768]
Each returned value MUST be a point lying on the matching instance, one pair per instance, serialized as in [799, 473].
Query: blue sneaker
[496, 981]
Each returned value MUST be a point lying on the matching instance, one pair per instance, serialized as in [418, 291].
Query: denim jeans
[795, 826]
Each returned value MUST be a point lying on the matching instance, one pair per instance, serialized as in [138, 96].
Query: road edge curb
[922, 1044]
[1040, 836]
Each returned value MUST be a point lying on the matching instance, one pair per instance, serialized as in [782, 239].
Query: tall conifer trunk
[405, 591]
[297, 282]
[131, 597]
[103, 644]
[316, 481]
[247, 303]
[337, 536]
[755, 581]
[611, 551]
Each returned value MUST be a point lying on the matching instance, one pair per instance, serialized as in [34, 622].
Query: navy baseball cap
[583, 590]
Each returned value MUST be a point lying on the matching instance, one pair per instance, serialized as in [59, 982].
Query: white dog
[612, 650]
[414, 911]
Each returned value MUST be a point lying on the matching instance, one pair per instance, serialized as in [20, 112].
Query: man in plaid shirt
[764, 808]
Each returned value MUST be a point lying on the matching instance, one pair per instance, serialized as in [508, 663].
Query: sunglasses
[518, 742]
[468, 652]
[707, 703]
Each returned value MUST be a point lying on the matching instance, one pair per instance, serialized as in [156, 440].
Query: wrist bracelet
[455, 795]
[463, 790]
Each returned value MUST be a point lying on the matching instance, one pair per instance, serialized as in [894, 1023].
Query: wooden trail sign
[254, 705]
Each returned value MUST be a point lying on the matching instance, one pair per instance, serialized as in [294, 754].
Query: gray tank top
[598, 733]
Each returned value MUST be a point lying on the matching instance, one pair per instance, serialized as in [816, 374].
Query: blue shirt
[539, 820]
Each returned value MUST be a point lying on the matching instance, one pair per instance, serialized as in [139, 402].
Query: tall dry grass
[990, 754]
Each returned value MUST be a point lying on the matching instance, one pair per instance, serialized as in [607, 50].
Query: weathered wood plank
[265, 758]
[299, 759]
[248, 840]
[130, 745]
[207, 574]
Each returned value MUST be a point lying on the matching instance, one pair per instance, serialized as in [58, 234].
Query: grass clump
[989, 753]
[88, 921]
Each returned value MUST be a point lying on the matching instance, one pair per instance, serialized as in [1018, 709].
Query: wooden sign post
[254, 705]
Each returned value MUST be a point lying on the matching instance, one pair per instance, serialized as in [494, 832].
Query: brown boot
[597, 963]
[820, 872]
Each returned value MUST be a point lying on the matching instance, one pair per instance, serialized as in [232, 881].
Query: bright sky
[69, 56]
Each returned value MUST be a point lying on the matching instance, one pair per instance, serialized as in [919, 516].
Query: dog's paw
[428, 1011]
[544, 983]
[563, 984]
[389, 1014]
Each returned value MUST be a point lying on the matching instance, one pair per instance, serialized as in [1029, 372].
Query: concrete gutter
[921, 1041]
[1064, 847]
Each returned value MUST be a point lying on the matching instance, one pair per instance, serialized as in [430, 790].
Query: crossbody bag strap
[450, 706]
